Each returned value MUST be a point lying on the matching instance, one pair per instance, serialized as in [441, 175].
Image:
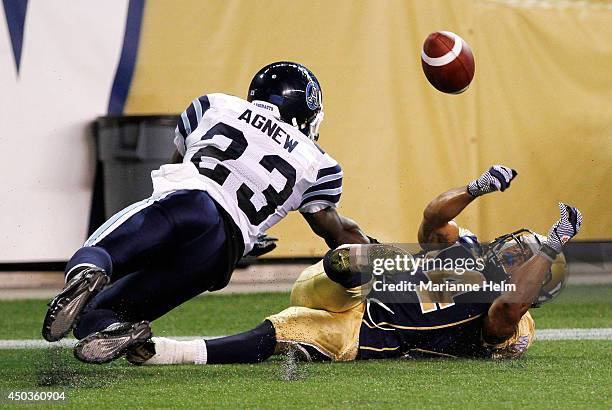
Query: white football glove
[565, 228]
[497, 178]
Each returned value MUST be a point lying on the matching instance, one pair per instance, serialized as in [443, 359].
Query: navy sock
[253, 346]
[90, 255]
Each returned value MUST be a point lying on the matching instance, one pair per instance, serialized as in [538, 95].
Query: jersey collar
[267, 106]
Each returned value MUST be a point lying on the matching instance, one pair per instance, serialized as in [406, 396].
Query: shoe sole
[103, 347]
[64, 311]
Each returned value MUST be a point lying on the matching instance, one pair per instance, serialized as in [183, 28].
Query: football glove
[565, 228]
[263, 245]
[497, 178]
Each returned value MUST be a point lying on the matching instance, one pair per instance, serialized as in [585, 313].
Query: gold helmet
[516, 248]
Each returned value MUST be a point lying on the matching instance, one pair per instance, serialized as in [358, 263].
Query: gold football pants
[323, 315]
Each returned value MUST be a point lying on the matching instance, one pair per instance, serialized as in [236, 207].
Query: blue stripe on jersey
[204, 104]
[328, 198]
[325, 183]
[329, 171]
[322, 192]
[191, 117]
[329, 178]
[328, 186]
[180, 127]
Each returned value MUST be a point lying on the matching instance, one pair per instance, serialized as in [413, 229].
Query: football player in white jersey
[243, 165]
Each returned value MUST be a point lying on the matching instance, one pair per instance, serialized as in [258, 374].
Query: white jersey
[255, 166]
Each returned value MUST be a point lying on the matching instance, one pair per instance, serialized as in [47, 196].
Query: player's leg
[314, 328]
[313, 334]
[120, 244]
[253, 346]
[150, 293]
[319, 333]
[118, 317]
[125, 243]
[316, 289]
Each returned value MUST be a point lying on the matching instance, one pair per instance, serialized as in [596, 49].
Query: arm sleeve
[189, 121]
[326, 190]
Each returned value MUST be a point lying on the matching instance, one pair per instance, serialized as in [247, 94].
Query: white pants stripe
[120, 217]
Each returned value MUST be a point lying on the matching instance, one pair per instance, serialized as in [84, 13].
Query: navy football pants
[158, 254]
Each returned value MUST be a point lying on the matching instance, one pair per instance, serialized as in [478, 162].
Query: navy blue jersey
[405, 323]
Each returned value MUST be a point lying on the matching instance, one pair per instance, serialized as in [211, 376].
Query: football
[448, 62]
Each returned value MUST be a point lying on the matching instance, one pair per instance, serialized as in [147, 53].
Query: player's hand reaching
[497, 178]
[565, 228]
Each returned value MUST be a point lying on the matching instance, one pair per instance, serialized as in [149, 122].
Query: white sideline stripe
[574, 334]
[544, 334]
[69, 343]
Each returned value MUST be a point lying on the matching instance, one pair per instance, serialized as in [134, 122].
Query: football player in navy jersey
[243, 165]
[337, 314]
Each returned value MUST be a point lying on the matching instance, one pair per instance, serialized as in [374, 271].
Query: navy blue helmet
[296, 92]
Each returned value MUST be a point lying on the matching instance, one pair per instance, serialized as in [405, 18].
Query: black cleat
[65, 308]
[112, 342]
[339, 260]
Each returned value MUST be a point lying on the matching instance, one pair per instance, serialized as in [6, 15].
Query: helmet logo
[313, 95]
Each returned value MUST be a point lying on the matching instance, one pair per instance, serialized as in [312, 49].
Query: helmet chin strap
[313, 132]
[313, 126]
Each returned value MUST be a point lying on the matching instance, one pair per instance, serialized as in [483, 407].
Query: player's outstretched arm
[508, 309]
[334, 228]
[437, 228]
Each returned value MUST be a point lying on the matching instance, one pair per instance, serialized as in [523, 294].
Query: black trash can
[129, 148]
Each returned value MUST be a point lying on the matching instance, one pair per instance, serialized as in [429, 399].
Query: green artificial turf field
[560, 374]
